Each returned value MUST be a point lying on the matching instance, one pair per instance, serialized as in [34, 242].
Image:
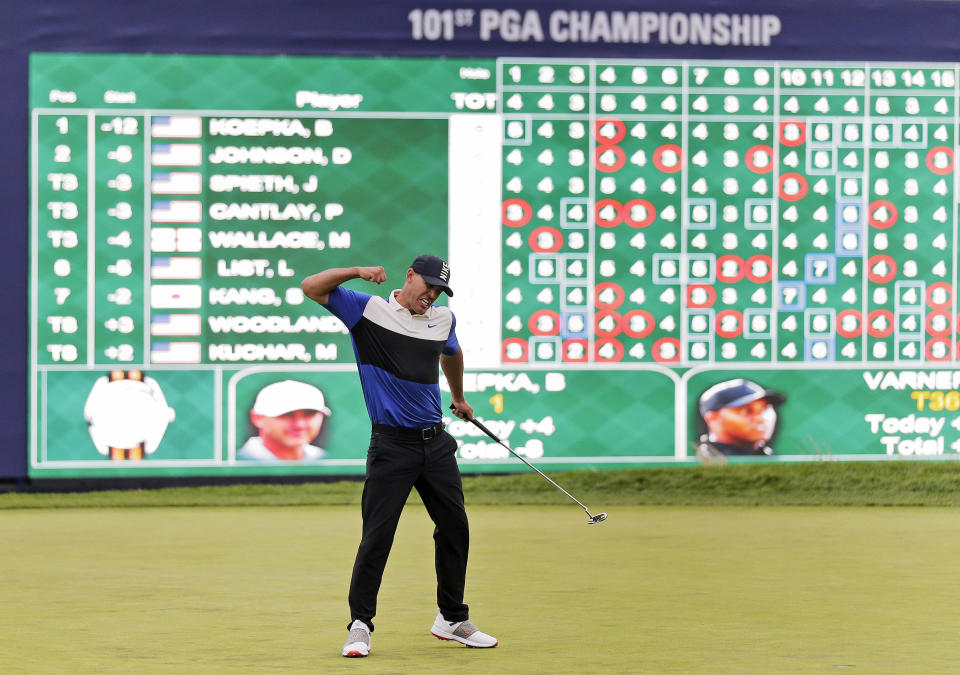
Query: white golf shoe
[463, 632]
[358, 641]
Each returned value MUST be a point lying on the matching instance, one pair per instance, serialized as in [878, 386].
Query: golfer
[740, 418]
[399, 341]
[288, 416]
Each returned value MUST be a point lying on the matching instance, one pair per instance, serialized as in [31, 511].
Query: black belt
[409, 433]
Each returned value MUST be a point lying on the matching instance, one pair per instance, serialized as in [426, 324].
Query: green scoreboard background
[623, 235]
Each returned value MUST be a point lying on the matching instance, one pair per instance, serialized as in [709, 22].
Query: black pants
[394, 465]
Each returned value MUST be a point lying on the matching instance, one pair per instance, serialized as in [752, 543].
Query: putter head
[599, 518]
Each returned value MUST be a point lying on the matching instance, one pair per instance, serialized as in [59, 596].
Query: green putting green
[678, 589]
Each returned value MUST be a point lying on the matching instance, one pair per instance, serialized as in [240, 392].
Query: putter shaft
[600, 517]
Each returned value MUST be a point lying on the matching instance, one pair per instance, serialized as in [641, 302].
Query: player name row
[191, 126]
[186, 324]
[189, 268]
[190, 239]
[263, 211]
[191, 211]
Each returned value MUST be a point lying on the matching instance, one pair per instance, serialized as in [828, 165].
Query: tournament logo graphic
[127, 414]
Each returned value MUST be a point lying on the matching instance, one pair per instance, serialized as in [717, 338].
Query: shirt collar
[397, 307]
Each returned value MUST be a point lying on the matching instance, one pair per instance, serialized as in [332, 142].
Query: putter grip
[480, 426]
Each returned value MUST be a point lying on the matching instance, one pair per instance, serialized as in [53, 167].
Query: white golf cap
[280, 398]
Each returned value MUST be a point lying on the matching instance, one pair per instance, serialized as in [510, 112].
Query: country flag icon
[176, 126]
[175, 352]
[176, 239]
[176, 211]
[177, 154]
[176, 296]
[176, 183]
[176, 267]
[175, 325]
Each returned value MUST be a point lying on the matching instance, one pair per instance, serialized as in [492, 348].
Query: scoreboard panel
[623, 235]
[701, 213]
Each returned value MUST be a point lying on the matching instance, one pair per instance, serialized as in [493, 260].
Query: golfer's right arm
[317, 286]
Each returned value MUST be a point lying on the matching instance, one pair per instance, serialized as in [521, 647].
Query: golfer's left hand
[462, 409]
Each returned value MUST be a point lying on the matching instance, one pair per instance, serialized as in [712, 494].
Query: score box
[731, 163]
[546, 214]
[810, 158]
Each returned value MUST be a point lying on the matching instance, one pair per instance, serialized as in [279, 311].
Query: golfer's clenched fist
[375, 274]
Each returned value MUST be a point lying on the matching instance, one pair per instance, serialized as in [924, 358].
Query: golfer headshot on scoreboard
[738, 417]
[401, 342]
[288, 416]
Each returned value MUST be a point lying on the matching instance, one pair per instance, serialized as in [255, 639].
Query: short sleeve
[347, 305]
[451, 346]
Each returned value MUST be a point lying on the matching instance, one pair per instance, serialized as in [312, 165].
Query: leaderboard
[179, 201]
[648, 212]
[636, 230]
[700, 213]
[117, 291]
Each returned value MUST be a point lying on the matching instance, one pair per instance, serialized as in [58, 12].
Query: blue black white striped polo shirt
[398, 355]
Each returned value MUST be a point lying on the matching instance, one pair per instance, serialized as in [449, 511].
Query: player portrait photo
[287, 418]
[737, 417]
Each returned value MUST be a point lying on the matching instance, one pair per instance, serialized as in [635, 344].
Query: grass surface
[652, 590]
[820, 483]
[730, 569]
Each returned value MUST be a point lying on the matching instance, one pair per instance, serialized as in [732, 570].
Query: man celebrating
[288, 416]
[399, 342]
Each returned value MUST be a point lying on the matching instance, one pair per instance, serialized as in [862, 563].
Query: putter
[594, 519]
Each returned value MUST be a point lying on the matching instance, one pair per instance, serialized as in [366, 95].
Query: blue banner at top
[818, 29]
